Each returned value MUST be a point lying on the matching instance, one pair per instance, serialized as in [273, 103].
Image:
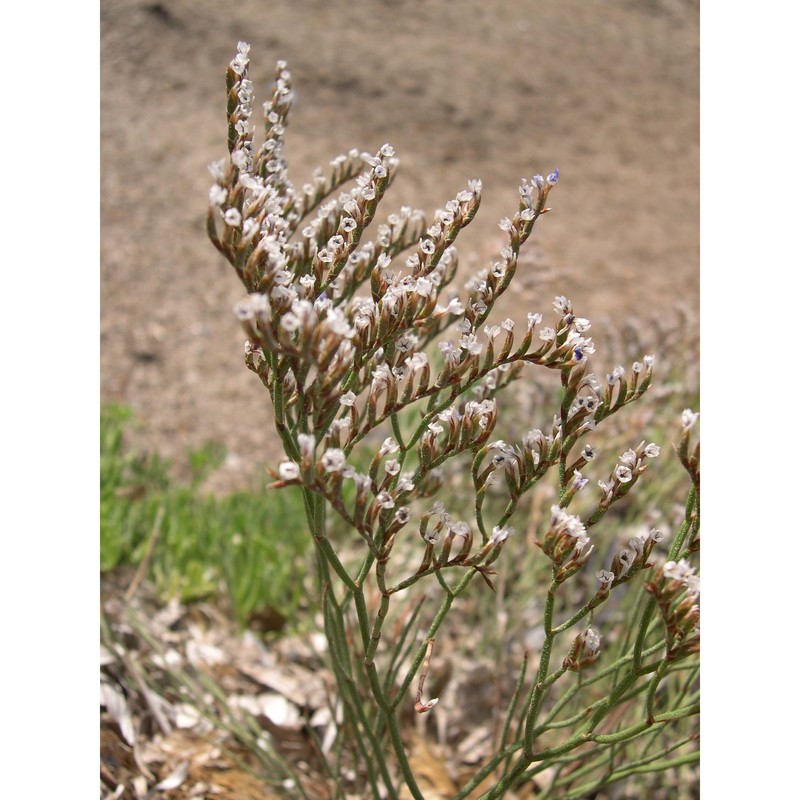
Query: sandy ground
[605, 91]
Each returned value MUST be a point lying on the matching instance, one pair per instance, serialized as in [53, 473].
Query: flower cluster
[381, 370]
[565, 543]
[676, 588]
[585, 650]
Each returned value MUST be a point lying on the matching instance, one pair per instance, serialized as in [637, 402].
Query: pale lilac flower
[615, 375]
[289, 322]
[253, 305]
[578, 481]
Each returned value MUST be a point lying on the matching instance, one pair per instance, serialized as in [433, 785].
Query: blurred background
[608, 92]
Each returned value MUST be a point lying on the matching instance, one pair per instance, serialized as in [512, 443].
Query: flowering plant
[343, 332]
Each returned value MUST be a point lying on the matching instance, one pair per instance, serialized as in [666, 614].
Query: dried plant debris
[191, 707]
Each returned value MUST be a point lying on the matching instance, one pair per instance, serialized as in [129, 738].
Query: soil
[607, 92]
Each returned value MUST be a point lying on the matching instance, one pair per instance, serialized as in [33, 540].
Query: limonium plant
[382, 374]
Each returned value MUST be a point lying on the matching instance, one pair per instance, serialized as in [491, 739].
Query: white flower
[217, 195]
[547, 334]
[348, 399]
[405, 484]
[500, 534]
[333, 460]
[562, 305]
[288, 470]
[385, 500]
[392, 466]
[289, 322]
[606, 578]
[652, 450]
[623, 474]
[470, 343]
[455, 306]
[389, 446]
[306, 443]
[562, 521]
[506, 225]
[233, 217]
[591, 641]
[427, 246]
[689, 418]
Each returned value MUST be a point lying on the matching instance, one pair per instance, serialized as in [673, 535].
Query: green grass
[246, 550]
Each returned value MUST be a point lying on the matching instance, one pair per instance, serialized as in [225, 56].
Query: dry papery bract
[386, 375]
